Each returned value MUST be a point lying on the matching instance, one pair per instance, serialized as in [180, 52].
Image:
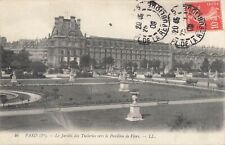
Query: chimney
[72, 20]
[78, 23]
[56, 20]
[61, 18]
[72, 17]
[72, 23]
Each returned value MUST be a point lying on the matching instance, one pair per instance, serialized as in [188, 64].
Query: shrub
[148, 75]
[169, 75]
[191, 81]
[19, 74]
[220, 84]
[199, 75]
[51, 71]
[108, 96]
[3, 99]
[181, 122]
[84, 74]
[124, 96]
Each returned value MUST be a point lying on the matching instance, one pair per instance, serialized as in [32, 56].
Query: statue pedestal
[13, 80]
[119, 77]
[95, 74]
[124, 86]
[71, 79]
[216, 78]
[72, 76]
[184, 78]
[134, 114]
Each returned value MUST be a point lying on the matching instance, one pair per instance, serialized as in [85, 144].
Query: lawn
[19, 98]
[201, 117]
[93, 94]
[58, 81]
[12, 98]
[195, 116]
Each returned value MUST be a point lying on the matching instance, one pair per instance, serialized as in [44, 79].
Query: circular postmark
[152, 22]
[188, 26]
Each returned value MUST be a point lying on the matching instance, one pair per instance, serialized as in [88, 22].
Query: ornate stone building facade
[3, 41]
[197, 55]
[67, 43]
[36, 48]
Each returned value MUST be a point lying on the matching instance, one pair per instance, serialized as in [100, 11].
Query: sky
[31, 19]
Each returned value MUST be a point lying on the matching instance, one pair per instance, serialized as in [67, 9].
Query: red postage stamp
[211, 12]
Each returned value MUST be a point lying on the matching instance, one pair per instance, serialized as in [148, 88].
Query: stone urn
[134, 114]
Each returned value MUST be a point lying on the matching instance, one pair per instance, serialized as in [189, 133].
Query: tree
[108, 61]
[0, 68]
[23, 58]
[205, 65]
[37, 68]
[154, 63]
[4, 99]
[15, 64]
[217, 65]
[178, 64]
[85, 61]
[131, 66]
[55, 90]
[93, 61]
[6, 58]
[21, 61]
[144, 63]
[63, 65]
[134, 65]
[187, 66]
[74, 64]
[128, 65]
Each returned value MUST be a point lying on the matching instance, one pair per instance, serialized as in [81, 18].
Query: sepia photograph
[112, 72]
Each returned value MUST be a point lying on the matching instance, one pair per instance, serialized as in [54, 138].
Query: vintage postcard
[112, 72]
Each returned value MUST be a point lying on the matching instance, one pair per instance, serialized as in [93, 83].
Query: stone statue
[71, 79]
[124, 75]
[216, 76]
[185, 76]
[124, 86]
[14, 80]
